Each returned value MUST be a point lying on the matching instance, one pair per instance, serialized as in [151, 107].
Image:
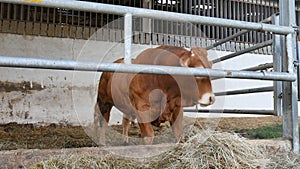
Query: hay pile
[223, 150]
[211, 150]
[203, 149]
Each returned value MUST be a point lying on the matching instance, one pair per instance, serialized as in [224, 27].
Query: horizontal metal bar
[23, 62]
[232, 55]
[155, 14]
[259, 67]
[245, 91]
[220, 42]
[231, 111]
[227, 39]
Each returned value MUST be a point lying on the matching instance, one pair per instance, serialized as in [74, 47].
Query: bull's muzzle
[207, 99]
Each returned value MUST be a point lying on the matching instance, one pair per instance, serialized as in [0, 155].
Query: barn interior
[55, 107]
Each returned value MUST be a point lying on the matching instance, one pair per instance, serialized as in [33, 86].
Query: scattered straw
[88, 161]
[202, 149]
[284, 160]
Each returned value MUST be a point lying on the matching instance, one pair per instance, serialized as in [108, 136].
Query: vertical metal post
[277, 66]
[298, 70]
[128, 38]
[290, 101]
[291, 94]
[147, 23]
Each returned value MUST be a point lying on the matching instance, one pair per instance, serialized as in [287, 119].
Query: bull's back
[162, 55]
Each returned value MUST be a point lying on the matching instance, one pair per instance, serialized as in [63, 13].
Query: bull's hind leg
[101, 119]
[126, 124]
[176, 123]
[144, 121]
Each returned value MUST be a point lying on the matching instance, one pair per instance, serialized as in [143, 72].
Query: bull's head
[197, 58]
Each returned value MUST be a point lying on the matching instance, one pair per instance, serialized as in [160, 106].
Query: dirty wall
[51, 96]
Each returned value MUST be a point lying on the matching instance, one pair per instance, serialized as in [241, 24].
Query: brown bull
[153, 99]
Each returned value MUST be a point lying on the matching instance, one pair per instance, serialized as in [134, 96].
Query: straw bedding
[202, 149]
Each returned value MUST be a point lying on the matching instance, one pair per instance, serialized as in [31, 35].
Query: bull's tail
[97, 115]
[101, 118]
[96, 126]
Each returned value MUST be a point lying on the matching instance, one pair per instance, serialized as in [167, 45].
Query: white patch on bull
[193, 54]
[207, 99]
[189, 49]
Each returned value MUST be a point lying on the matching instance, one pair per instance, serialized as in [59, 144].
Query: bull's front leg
[176, 122]
[147, 133]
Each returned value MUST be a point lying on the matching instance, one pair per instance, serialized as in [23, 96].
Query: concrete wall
[53, 96]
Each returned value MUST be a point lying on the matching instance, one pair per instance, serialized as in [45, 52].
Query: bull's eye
[195, 63]
[196, 66]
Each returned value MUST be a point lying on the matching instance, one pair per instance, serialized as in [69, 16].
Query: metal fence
[66, 23]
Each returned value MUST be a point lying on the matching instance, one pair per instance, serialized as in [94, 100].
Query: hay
[203, 149]
[284, 160]
[87, 161]
[211, 149]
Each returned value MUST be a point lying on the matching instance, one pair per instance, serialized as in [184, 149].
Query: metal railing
[8, 61]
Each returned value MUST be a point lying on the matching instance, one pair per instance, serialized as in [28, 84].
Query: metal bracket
[296, 28]
[280, 95]
[296, 63]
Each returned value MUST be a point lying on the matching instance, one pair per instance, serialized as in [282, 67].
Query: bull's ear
[199, 51]
[202, 54]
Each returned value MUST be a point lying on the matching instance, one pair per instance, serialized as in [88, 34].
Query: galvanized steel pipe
[252, 48]
[220, 42]
[127, 37]
[245, 91]
[155, 14]
[7, 61]
[260, 67]
[231, 111]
